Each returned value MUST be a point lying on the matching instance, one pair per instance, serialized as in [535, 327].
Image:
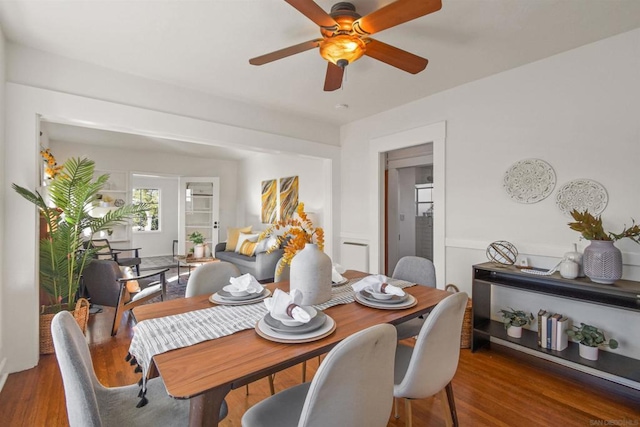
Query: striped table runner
[157, 336]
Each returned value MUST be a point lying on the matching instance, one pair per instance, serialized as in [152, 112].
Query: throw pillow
[248, 248]
[232, 237]
[246, 237]
[265, 244]
[132, 285]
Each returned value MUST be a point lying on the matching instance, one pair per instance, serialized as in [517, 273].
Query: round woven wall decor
[502, 252]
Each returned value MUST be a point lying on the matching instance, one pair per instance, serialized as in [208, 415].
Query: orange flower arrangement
[52, 168]
[296, 232]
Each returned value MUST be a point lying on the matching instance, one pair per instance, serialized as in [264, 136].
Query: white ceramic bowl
[232, 291]
[288, 321]
[381, 296]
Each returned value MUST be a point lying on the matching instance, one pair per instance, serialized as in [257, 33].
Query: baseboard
[3, 375]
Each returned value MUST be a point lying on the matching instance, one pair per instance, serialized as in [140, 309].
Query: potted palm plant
[590, 339]
[602, 260]
[67, 212]
[514, 320]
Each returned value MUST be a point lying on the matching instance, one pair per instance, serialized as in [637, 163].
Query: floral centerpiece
[304, 253]
[602, 260]
[294, 233]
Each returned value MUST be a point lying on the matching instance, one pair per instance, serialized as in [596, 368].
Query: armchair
[106, 285]
[105, 251]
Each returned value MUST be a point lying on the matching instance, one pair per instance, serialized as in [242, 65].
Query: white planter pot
[311, 274]
[587, 352]
[198, 251]
[515, 331]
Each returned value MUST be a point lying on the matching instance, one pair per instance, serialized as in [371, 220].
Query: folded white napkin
[284, 305]
[377, 283]
[336, 273]
[246, 282]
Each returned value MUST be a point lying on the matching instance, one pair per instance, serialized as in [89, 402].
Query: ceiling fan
[345, 36]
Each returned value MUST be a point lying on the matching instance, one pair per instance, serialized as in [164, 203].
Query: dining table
[205, 372]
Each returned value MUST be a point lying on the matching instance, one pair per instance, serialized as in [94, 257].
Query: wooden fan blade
[333, 80]
[311, 10]
[394, 14]
[395, 57]
[283, 53]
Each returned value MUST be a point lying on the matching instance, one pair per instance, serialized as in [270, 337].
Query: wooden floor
[492, 388]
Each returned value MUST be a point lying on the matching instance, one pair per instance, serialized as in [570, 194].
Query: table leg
[204, 409]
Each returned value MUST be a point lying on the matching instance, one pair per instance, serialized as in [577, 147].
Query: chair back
[283, 276]
[103, 248]
[100, 279]
[78, 377]
[415, 270]
[354, 384]
[210, 278]
[434, 360]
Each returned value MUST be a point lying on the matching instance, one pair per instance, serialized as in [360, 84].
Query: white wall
[25, 106]
[157, 243]
[3, 189]
[161, 163]
[577, 110]
[47, 71]
[314, 184]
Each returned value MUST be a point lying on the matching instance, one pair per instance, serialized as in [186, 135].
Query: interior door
[199, 211]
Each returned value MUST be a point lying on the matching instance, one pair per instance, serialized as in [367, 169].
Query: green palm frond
[63, 255]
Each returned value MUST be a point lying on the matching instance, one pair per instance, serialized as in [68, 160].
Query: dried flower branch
[590, 227]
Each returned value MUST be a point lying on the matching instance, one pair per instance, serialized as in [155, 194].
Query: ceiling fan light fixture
[341, 48]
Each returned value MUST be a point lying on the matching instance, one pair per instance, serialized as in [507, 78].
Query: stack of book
[552, 330]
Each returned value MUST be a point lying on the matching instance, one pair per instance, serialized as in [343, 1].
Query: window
[424, 199]
[150, 220]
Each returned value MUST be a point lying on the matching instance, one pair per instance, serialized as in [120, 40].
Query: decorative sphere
[502, 252]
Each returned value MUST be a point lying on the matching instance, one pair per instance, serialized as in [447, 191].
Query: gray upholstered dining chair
[90, 404]
[352, 387]
[283, 275]
[415, 270]
[210, 278]
[428, 367]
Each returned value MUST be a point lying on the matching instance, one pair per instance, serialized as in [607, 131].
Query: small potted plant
[514, 320]
[590, 339]
[198, 244]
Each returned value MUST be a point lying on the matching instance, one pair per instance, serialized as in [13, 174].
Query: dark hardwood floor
[492, 388]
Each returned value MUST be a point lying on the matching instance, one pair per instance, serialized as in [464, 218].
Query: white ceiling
[205, 45]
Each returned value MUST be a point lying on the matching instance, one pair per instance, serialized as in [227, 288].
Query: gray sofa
[262, 265]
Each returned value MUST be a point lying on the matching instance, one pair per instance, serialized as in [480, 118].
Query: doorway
[409, 204]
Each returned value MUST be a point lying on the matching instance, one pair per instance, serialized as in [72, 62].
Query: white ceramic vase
[590, 353]
[311, 274]
[198, 251]
[514, 331]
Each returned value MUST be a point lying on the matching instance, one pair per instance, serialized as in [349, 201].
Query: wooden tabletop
[206, 372]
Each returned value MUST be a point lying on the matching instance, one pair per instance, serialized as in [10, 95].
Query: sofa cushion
[238, 259]
[232, 236]
[244, 237]
[248, 248]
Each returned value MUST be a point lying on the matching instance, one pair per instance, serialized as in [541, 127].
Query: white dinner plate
[267, 333]
[217, 299]
[344, 281]
[410, 302]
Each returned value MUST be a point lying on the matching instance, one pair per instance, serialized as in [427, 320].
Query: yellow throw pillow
[248, 248]
[232, 237]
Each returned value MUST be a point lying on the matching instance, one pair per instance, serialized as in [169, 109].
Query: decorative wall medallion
[529, 180]
[581, 195]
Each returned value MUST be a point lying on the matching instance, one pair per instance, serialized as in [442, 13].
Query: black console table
[624, 294]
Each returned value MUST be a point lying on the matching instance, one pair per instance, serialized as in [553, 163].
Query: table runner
[157, 336]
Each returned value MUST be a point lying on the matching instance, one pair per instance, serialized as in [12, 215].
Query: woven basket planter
[80, 313]
[465, 334]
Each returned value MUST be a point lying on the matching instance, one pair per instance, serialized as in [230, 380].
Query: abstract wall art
[269, 201]
[288, 196]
